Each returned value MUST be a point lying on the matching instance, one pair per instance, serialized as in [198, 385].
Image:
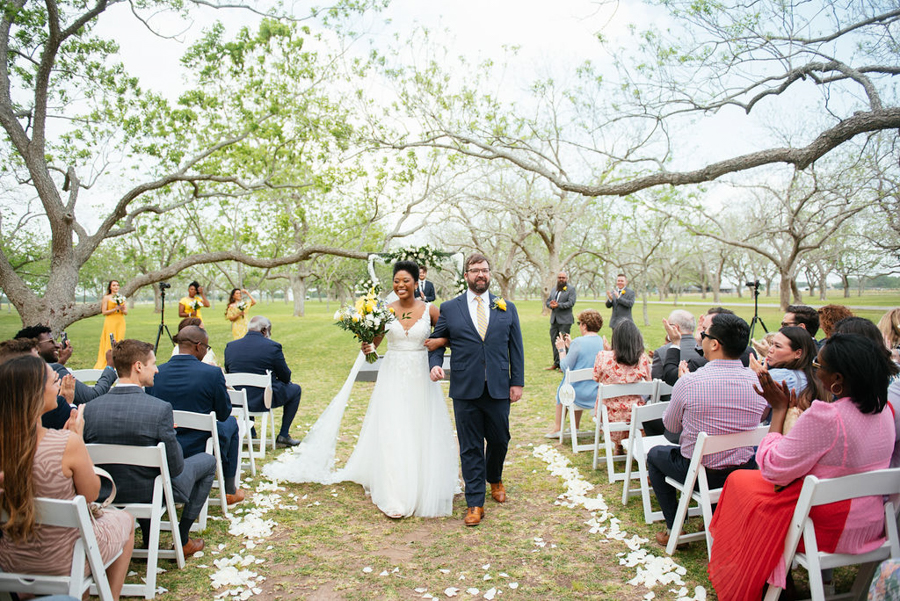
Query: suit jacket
[83, 392]
[499, 359]
[190, 385]
[621, 307]
[695, 360]
[128, 416]
[429, 292]
[254, 354]
[562, 314]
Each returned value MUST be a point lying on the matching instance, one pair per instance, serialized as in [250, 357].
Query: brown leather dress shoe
[498, 492]
[473, 516]
[192, 546]
[551, 368]
[237, 497]
[662, 537]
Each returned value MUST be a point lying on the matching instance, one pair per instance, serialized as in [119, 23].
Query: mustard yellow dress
[113, 324]
[186, 302]
[239, 325]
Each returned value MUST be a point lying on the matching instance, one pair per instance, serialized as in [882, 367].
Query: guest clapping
[37, 462]
[236, 312]
[851, 435]
[625, 363]
[790, 360]
[113, 307]
[579, 353]
[889, 325]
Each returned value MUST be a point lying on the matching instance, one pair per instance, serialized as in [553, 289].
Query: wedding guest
[620, 300]
[790, 360]
[57, 354]
[37, 462]
[210, 357]
[717, 399]
[625, 363]
[126, 415]
[560, 302]
[113, 307]
[889, 326]
[579, 353]
[425, 289]
[830, 315]
[684, 321]
[57, 417]
[236, 312]
[189, 385]
[257, 353]
[192, 304]
[851, 435]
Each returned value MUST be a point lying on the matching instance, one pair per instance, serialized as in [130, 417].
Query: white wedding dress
[406, 457]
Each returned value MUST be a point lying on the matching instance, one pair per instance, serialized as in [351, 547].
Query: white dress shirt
[473, 306]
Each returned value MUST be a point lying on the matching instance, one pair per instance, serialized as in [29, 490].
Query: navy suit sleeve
[516, 350]
[221, 402]
[166, 434]
[279, 365]
[55, 419]
[670, 367]
[436, 357]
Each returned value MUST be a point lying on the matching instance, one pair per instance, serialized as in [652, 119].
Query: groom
[487, 365]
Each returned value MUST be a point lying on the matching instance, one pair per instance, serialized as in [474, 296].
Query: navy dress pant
[479, 421]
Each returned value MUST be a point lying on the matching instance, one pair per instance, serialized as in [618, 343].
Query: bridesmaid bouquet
[243, 306]
[118, 299]
[195, 304]
[367, 319]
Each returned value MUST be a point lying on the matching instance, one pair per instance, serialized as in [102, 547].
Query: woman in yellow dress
[190, 305]
[236, 312]
[113, 306]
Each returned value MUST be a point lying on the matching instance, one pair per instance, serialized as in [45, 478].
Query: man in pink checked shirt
[717, 399]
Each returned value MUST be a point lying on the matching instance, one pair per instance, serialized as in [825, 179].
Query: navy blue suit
[254, 354]
[429, 292]
[482, 373]
[190, 385]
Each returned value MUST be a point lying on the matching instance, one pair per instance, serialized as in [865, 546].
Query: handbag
[96, 508]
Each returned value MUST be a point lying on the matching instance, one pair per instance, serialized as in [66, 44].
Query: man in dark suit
[188, 384]
[620, 301]
[126, 415]
[488, 370]
[685, 324]
[425, 290]
[257, 353]
[692, 361]
[560, 303]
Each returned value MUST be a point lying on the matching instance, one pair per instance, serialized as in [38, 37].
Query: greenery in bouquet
[195, 304]
[243, 305]
[118, 299]
[367, 319]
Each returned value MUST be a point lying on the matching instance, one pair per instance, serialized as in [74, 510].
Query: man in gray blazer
[560, 302]
[620, 301]
[127, 415]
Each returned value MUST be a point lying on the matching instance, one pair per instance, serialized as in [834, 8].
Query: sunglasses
[703, 335]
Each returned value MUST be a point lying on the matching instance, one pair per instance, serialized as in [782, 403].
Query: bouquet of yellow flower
[367, 319]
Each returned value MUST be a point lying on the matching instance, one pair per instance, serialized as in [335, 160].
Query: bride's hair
[409, 267]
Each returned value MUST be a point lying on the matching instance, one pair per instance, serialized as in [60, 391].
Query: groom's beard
[479, 285]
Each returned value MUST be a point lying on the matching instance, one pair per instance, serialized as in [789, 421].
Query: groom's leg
[470, 432]
[496, 432]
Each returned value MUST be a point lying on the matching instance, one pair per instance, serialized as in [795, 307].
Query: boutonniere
[565, 288]
[498, 303]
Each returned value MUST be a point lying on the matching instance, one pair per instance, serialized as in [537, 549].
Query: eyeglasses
[816, 364]
[48, 340]
[478, 271]
[787, 324]
[203, 345]
[703, 335]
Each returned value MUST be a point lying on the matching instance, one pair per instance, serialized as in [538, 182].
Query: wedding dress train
[406, 456]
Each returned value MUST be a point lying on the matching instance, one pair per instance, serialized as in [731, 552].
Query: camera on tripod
[755, 284]
[164, 285]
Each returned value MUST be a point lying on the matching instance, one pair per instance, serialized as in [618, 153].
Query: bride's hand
[367, 348]
[434, 343]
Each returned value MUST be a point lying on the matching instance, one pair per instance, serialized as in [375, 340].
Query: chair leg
[573, 430]
[272, 417]
[684, 502]
[562, 424]
[597, 441]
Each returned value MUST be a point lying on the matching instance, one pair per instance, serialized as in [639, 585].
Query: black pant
[481, 420]
[555, 330]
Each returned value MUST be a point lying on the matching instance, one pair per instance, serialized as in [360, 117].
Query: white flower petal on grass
[444, 571]
[650, 596]
[451, 591]
[199, 554]
[395, 570]
[490, 594]
[384, 573]
[367, 570]
[421, 590]
[486, 566]
[513, 585]
[503, 575]
[472, 591]
[487, 577]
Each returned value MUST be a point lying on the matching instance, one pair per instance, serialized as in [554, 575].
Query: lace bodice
[400, 339]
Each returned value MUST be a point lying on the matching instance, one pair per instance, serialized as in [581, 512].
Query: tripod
[756, 318]
[162, 321]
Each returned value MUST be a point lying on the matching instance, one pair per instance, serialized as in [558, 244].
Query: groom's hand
[437, 373]
[515, 393]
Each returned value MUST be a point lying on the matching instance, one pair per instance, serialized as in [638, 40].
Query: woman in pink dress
[37, 462]
[625, 363]
[851, 434]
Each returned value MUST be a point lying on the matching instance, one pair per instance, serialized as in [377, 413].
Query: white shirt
[473, 306]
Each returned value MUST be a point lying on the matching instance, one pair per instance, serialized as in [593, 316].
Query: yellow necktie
[482, 318]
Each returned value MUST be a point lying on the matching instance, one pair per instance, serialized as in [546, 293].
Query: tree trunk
[784, 290]
[845, 281]
[798, 298]
[645, 306]
[298, 287]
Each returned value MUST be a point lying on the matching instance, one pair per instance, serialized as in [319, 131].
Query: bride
[406, 456]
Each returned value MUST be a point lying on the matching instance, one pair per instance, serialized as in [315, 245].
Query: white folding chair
[820, 492]
[206, 422]
[263, 381]
[65, 514]
[87, 375]
[636, 448]
[161, 504]
[608, 391]
[241, 414]
[705, 498]
[567, 400]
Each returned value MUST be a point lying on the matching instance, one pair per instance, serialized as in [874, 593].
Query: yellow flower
[391, 309]
[565, 288]
[359, 304]
[370, 305]
[499, 303]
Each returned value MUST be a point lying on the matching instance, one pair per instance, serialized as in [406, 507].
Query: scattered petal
[451, 591]
[490, 594]
[367, 570]
[513, 585]
[472, 591]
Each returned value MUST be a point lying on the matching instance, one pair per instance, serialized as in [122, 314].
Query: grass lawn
[325, 538]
